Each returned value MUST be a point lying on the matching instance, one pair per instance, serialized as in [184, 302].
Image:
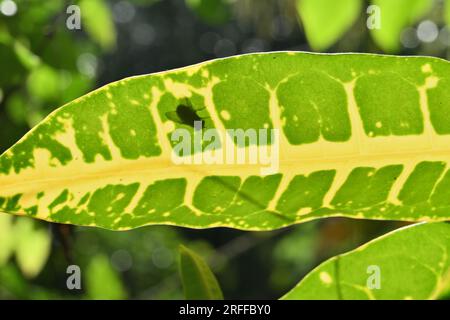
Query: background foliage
[44, 65]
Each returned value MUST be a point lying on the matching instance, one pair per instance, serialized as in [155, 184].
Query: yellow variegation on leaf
[360, 135]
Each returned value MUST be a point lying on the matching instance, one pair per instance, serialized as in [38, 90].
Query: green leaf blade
[447, 13]
[407, 268]
[199, 282]
[362, 136]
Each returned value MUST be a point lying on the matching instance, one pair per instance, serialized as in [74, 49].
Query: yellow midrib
[124, 168]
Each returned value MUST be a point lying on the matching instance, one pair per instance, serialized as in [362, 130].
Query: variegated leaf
[394, 266]
[361, 136]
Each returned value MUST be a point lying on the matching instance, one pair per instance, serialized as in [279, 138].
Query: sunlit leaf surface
[409, 263]
[360, 136]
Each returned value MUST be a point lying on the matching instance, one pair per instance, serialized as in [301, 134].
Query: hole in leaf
[185, 114]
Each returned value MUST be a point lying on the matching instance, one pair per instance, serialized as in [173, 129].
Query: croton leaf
[353, 135]
[394, 266]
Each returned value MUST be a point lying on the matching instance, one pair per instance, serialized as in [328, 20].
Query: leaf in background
[32, 246]
[44, 83]
[395, 16]
[412, 263]
[102, 281]
[17, 108]
[447, 13]
[26, 57]
[6, 238]
[35, 16]
[213, 12]
[12, 69]
[12, 279]
[14, 286]
[96, 17]
[199, 282]
[361, 136]
[75, 85]
[325, 21]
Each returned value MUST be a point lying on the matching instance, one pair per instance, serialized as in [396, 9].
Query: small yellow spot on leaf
[325, 278]
[225, 115]
[432, 82]
[426, 68]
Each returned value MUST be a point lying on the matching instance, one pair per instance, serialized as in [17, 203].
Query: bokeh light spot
[121, 260]
[8, 8]
[123, 12]
[427, 31]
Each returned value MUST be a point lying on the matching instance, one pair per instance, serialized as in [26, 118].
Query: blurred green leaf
[43, 83]
[34, 18]
[97, 19]
[5, 37]
[16, 108]
[32, 246]
[6, 238]
[102, 281]
[12, 70]
[199, 282]
[395, 16]
[447, 13]
[325, 21]
[63, 42]
[213, 12]
[409, 263]
[12, 280]
[28, 58]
